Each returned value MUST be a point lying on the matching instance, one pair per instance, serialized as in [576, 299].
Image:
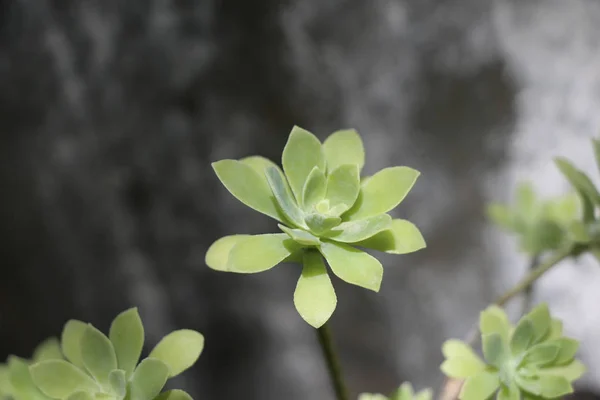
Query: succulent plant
[324, 209]
[404, 392]
[532, 360]
[101, 367]
[15, 379]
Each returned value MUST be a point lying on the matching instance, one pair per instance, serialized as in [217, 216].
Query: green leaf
[70, 341]
[426, 394]
[260, 252]
[20, 380]
[404, 392]
[494, 320]
[301, 154]
[174, 394]
[284, 197]
[300, 236]
[382, 192]
[556, 329]
[49, 349]
[501, 216]
[567, 349]
[555, 386]
[494, 349]
[526, 203]
[563, 210]
[218, 253]
[454, 348]
[320, 224]
[127, 336]
[480, 386]
[118, 382]
[579, 232]
[540, 320]
[246, 185]
[509, 392]
[179, 350]
[462, 367]
[571, 371]
[81, 395]
[59, 379]
[362, 229]
[344, 147]
[352, 265]
[98, 354]
[402, 237]
[148, 379]
[578, 179]
[314, 297]
[541, 354]
[314, 189]
[343, 187]
[522, 337]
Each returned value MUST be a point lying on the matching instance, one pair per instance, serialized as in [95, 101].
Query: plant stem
[528, 293]
[333, 365]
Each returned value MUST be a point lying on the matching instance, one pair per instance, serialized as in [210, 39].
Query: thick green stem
[333, 364]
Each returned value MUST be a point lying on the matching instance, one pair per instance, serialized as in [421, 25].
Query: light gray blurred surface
[111, 113]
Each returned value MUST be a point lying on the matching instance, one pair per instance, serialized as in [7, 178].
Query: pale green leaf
[402, 237]
[567, 349]
[356, 231]
[352, 265]
[530, 384]
[314, 189]
[541, 354]
[500, 215]
[458, 367]
[302, 152]
[579, 232]
[556, 329]
[372, 396]
[179, 350]
[148, 379]
[59, 379]
[81, 395]
[555, 386]
[127, 336]
[480, 386]
[320, 224]
[174, 394]
[526, 202]
[494, 320]
[246, 185]
[260, 252]
[70, 341]
[572, 371]
[425, 394]
[118, 382]
[579, 180]
[343, 187]
[20, 379]
[301, 236]
[509, 392]
[314, 297]
[218, 253]
[404, 392]
[494, 349]
[284, 197]
[522, 337]
[564, 209]
[540, 320]
[382, 192]
[454, 348]
[344, 147]
[49, 349]
[98, 354]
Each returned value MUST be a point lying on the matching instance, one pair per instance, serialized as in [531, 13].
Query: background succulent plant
[324, 209]
[404, 392]
[100, 366]
[532, 360]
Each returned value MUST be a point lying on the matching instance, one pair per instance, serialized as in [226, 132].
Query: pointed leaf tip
[127, 336]
[179, 350]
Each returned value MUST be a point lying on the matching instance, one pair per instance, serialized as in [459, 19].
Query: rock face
[111, 112]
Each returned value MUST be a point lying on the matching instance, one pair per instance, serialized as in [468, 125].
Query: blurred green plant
[101, 367]
[532, 360]
[324, 209]
[404, 392]
[540, 225]
[15, 378]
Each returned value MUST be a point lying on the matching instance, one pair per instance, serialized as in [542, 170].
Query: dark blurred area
[111, 112]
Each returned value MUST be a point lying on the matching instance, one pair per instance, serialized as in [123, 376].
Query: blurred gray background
[112, 110]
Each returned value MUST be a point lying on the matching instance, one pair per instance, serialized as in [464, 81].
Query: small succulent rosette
[101, 367]
[15, 379]
[404, 392]
[324, 209]
[530, 361]
[540, 225]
